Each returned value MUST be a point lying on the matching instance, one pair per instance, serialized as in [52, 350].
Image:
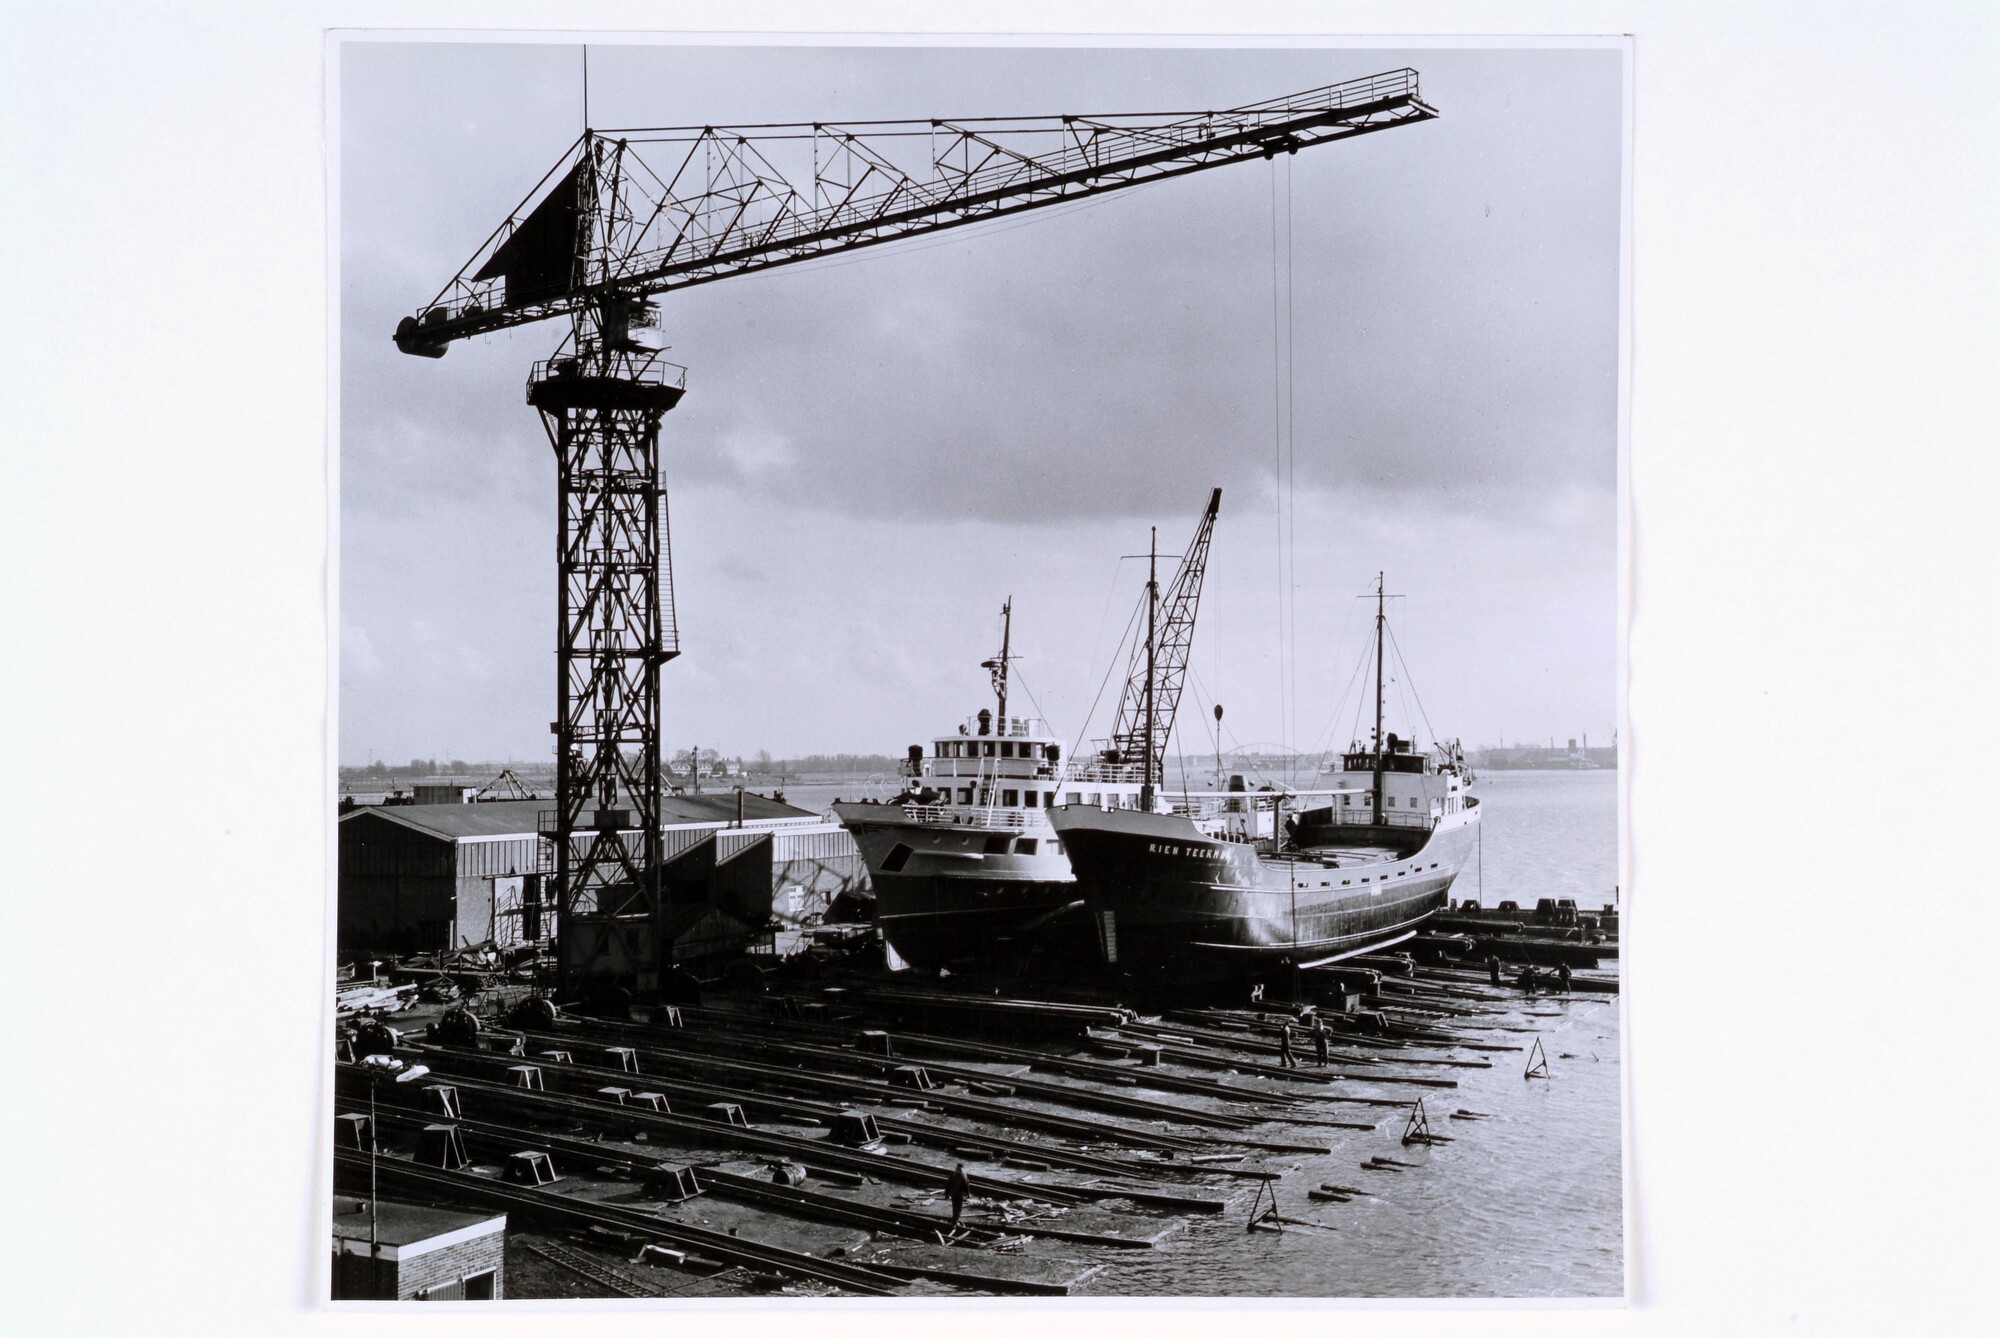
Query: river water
[1526, 1203]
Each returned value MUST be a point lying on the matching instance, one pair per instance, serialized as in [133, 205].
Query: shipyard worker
[1493, 967]
[1528, 978]
[1562, 974]
[1319, 1040]
[957, 1185]
[1285, 1057]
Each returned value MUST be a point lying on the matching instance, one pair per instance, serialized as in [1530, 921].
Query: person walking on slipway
[1285, 1057]
[956, 1186]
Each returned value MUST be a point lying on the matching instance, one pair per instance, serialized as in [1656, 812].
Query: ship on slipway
[967, 869]
[1239, 884]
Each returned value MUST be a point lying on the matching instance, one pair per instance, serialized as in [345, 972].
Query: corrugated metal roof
[513, 817]
[519, 817]
[722, 808]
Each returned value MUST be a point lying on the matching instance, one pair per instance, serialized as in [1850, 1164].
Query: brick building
[419, 1253]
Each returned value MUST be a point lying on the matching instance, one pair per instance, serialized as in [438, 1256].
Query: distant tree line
[815, 762]
[419, 767]
[761, 764]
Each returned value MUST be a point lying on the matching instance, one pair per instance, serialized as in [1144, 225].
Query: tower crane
[627, 215]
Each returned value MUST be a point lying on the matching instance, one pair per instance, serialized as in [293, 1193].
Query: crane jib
[546, 260]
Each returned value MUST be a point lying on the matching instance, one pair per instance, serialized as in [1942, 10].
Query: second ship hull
[1169, 903]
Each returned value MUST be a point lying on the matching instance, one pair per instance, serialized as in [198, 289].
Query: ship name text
[1183, 852]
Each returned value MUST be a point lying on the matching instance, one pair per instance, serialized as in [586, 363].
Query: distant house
[694, 775]
[443, 792]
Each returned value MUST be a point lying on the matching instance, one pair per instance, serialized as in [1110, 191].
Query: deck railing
[1367, 817]
[997, 819]
[1013, 727]
[641, 365]
[1107, 773]
[1206, 807]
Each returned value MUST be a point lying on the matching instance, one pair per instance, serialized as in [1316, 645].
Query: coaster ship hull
[952, 895]
[1170, 902]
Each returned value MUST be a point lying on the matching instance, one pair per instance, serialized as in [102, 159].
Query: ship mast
[1152, 618]
[998, 665]
[1006, 650]
[1380, 620]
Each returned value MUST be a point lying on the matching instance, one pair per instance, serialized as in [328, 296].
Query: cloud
[358, 658]
[1450, 317]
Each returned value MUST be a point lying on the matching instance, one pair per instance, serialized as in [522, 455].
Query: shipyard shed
[417, 878]
[420, 877]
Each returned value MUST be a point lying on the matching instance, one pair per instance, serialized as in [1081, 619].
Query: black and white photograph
[872, 668]
[978, 670]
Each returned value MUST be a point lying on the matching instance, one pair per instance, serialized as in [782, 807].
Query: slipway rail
[562, 1210]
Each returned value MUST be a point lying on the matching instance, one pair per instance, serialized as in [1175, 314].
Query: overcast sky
[876, 450]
